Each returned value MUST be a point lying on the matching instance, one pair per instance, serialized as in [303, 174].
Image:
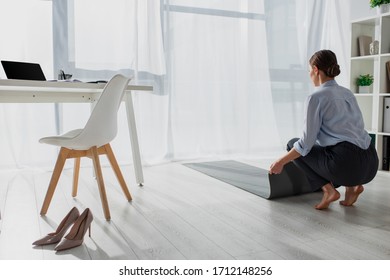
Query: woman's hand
[276, 167]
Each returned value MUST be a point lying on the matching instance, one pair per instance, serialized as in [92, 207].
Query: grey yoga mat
[292, 181]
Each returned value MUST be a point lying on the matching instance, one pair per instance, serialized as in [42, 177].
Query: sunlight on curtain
[329, 30]
[230, 75]
[118, 34]
[26, 35]
[215, 98]
[246, 6]
[218, 80]
[307, 26]
[286, 40]
[122, 36]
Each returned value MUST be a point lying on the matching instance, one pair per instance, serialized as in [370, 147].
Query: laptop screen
[23, 70]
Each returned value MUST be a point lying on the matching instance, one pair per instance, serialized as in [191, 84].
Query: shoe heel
[75, 237]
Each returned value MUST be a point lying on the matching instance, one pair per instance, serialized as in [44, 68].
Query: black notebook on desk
[23, 70]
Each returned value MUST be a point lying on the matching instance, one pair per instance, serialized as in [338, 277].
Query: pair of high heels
[75, 237]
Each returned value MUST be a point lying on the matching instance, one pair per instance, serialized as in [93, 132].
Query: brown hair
[326, 61]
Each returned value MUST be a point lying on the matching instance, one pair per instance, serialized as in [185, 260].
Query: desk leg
[58, 117]
[134, 139]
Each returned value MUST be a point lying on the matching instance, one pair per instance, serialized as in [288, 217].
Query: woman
[334, 149]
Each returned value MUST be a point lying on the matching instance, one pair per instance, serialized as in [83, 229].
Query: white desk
[22, 91]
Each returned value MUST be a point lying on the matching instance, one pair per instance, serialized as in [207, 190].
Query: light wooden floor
[183, 214]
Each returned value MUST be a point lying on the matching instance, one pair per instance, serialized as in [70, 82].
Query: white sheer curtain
[26, 35]
[215, 98]
[105, 37]
[297, 29]
[230, 76]
[329, 28]
[120, 34]
[218, 80]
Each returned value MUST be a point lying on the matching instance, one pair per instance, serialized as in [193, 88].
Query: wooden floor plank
[138, 236]
[19, 219]
[183, 214]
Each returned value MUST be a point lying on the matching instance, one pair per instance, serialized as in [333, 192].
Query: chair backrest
[101, 127]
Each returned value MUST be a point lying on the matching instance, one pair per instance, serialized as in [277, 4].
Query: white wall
[361, 9]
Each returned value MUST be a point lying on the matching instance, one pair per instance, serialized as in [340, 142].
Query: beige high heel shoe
[75, 237]
[55, 237]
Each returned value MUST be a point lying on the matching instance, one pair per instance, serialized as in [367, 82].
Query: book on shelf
[386, 114]
[373, 138]
[386, 153]
[388, 75]
[364, 45]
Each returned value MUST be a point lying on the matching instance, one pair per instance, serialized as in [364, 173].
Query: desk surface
[25, 91]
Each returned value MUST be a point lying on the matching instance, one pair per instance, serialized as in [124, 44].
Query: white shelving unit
[371, 104]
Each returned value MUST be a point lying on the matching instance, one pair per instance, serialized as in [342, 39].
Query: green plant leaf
[365, 80]
[377, 3]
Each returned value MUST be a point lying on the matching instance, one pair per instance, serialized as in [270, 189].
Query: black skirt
[343, 164]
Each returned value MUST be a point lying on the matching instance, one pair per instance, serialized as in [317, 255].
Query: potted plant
[364, 82]
[383, 5]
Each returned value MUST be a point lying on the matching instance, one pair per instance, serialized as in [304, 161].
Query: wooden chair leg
[99, 178]
[76, 172]
[117, 171]
[62, 156]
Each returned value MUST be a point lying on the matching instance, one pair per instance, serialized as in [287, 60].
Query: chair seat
[65, 140]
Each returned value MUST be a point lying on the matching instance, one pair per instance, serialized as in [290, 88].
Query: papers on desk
[70, 81]
[78, 81]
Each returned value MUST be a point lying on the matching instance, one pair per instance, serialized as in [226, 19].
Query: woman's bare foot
[330, 195]
[351, 195]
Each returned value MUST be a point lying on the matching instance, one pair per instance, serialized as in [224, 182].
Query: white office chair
[91, 141]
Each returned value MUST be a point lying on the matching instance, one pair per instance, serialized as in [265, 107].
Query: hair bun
[333, 71]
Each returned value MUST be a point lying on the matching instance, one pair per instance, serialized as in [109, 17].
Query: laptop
[23, 70]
